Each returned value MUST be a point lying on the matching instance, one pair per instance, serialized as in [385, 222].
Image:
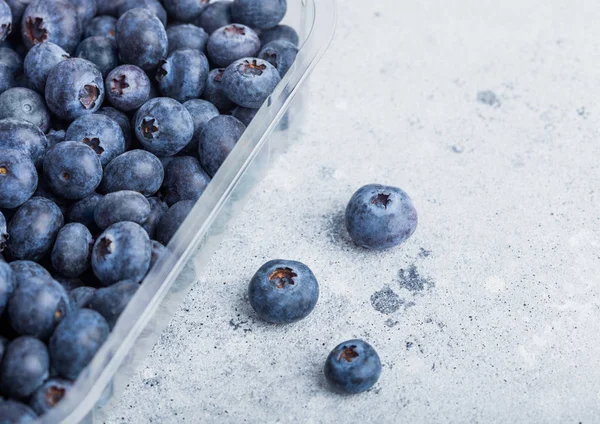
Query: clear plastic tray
[163, 289]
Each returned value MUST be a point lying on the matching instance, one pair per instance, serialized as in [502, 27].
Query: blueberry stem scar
[285, 276]
[348, 354]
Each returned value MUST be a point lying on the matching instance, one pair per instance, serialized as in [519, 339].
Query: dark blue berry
[283, 291]
[172, 219]
[54, 21]
[24, 367]
[127, 87]
[121, 119]
[17, 7]
[244, 115]
[152, 6]
[33, 229]
[249, 81]
[184, 180]
[74, 88]
[44, 190]
[39, 62]
[121, 252]
[182, 75]
[8, 282]
[13, 412]
[163, 126]
[81, 296]
[109, 7]
[215, 16]
[280, 32]
[72, 169]
[83, 211]
[124, 205]
[217, 140]
[100, 132]
[213, 92]
[11, 69]
[261, 14]
[25, 104]
[111, 301]
[76, 340]
[86, 10]
[230, 43]
[54, 137]
[25, 136]
[380, 217]
[104, 26]
[136, 170]
[72, 250]
[280, 53]
[353, 367]
[49, 394]
[6, 20]
[201, 111]
[69, 283]
[185, 10]
[157, 210]
[101, 51]
[141, 38]
[29, 271]
[18, 178]
[186, 36]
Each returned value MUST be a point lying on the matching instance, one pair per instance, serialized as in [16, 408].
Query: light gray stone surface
[487, 114]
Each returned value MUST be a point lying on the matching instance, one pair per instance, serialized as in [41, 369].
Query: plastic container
[163, 289]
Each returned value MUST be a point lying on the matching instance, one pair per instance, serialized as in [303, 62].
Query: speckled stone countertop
[487, 114]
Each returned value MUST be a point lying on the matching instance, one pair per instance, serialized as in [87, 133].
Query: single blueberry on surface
[25, 104]
[12, 412]
[153, 6]
[283, 291]
[24, 136]
[172, 219]
[261, 14]
[49, 394]
[186, 36]
[136, 170]
[56, 21]
[217, 140]
[213, 92]
[33, 229]
[230, 43]
[183, 74]
[111, 301]
[104, 26]
[353, 367]
[18, 178]
[127, 87]
[121, 252]
[8, 283]
[76, 340]
[141, 38]
[74, 88]
[157, 210]
[163, 126]
[39, 62]
[249, 81]
[201, 111]
[100, 132]
[72, 249]
[215, 16]
[184, 180]
[83, 211]
[119, 206]
[72, 169]
[280, 32]
[24, 367]
[80, 296]
[380, 217]
[101, 51]
[280, 53]
[244, 115]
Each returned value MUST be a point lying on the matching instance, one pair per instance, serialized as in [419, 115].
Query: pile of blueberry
[114, 117]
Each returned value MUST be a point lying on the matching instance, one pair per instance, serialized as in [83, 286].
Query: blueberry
[214, 91]
[185, 10]
[353, 367]
[163, 126]
[283, 291]
[186, 36]
[25, 104]
[124, 205]
[13, 412]
[76, 340]
[86, 10]
[261, 14]
[11, 69]
[54, 137]
[127, 87]
[141, 38]
[280, 53]
[380, 217]
[33, 229]
[248, 82]
[109, 7]
[182, 75]
[101, 133]
[184, 180]
[158, 251]
[18, 178]
[280, 32]
[7, 285]
[72, 250]
[172, 219]
[101, 51]
[217, 140]
[121, 252]
[69, 283]
[157, 210]
[54, 21]
[121, 119]
[49, 394]
[230, 43]
[152, 6]
[44, 190]
[29, 271]
[111, 301]
[104, 26]
[83, 211]
[215, 16]
[5, 20]
[201, 111]
[74, 88]
[136, 170]
[39, 62]
[25, 136]
[3, 232]
[37, 306]
[24, 367]
[244, 115]
[81, 296]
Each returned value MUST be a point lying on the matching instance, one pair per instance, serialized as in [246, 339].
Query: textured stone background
[487, 114]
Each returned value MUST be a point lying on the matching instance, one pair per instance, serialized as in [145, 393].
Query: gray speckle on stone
[386, 301]
[488, 97]
[411, 280]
